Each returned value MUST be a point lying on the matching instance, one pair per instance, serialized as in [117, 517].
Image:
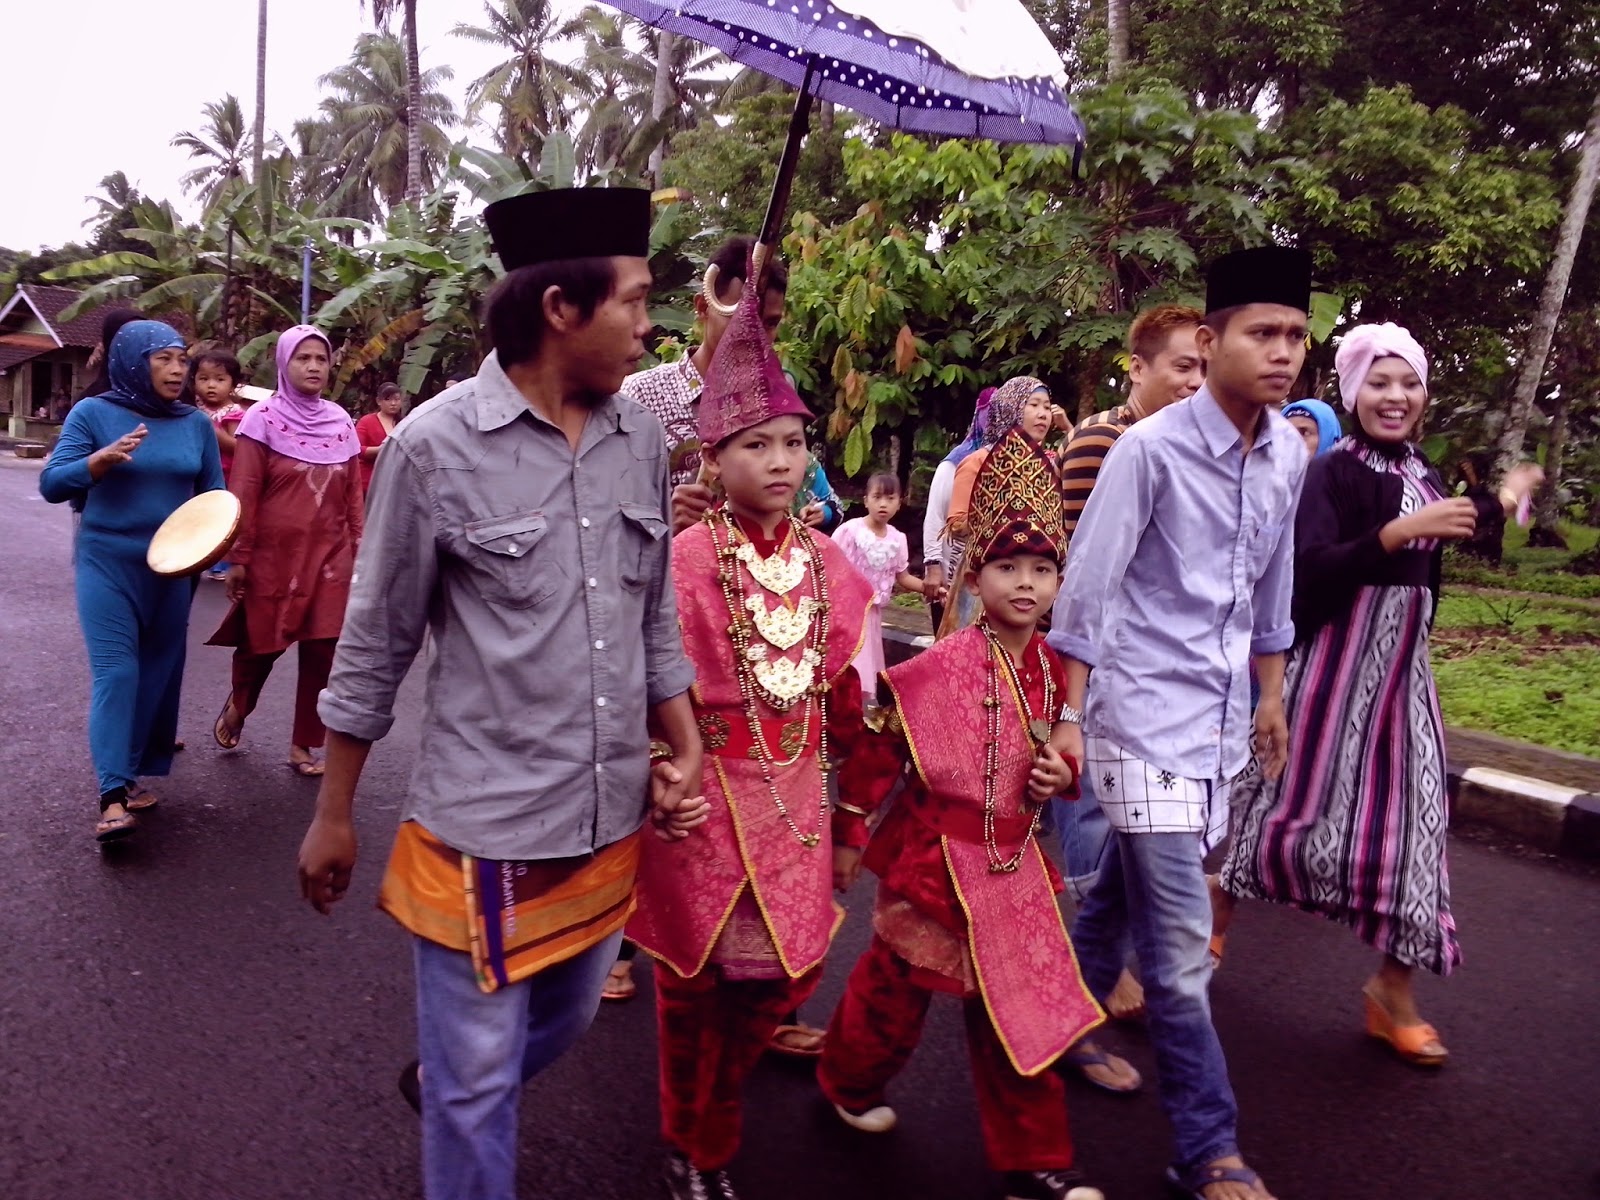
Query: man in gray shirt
[521, 517]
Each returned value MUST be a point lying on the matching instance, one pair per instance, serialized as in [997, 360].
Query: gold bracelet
[841, 806]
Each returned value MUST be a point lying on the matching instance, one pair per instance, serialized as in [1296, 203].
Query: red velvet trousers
[878, 1025]
[713, 1031]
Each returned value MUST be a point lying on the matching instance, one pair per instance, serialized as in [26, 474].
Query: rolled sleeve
[1103, 546]
[667, 670]
[396, 571]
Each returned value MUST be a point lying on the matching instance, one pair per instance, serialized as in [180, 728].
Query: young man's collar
[1217, 429]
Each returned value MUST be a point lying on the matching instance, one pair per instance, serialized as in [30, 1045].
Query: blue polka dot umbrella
[959, 68]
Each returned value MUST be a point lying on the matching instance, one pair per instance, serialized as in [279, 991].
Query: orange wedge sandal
[1418, 1045]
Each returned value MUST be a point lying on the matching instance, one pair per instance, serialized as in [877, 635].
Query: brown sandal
[140, 798]
[234, 733]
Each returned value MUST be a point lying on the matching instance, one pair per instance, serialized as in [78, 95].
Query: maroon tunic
[298, 532]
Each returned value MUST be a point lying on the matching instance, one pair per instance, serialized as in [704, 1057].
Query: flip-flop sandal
[141, 799]
[1082, 1059]
[1193, 1184]
[221, 723]
[109, 829]
[815, 1040]
[627, 990]
[306, 770]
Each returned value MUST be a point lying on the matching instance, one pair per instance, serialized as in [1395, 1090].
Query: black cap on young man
[1264, 275]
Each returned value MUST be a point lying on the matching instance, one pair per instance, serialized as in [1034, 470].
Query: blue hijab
[129, 369]
[1328, 428]
[974, 438]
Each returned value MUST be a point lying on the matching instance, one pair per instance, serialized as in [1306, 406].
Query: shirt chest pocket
[643, 542]
[505, 557]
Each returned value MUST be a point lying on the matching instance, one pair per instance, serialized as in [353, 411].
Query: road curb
[1546, 816]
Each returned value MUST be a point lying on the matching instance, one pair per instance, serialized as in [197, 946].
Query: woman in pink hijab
[1355, 827]
[295, 471]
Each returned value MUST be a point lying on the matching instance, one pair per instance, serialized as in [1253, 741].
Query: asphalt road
[176, 1024]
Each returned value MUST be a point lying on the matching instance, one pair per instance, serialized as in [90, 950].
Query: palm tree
[259, 145]
[382, 10]
[365, 138]
[223, 142]
[529, 88]
[618, 87]
[115, 197]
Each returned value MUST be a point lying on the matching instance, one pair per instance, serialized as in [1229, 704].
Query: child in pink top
[879, 552]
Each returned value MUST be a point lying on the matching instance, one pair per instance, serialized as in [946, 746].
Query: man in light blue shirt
[1180, 573]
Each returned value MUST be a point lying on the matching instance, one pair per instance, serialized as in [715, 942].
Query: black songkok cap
[542, 227]
[1265, 275]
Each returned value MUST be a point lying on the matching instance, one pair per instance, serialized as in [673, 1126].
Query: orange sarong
[514, 918]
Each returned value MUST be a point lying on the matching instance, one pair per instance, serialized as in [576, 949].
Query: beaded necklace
[1038, 731]
[733, 551]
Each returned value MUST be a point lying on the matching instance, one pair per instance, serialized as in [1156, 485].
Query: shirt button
[600, 645]
[600, 703]
[512, 548]
[584, 521]
[593, 582]
[598, 769]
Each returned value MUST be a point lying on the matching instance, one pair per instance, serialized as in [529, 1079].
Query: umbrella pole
[783, 184]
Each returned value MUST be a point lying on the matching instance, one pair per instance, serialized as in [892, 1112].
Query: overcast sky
[96, 86]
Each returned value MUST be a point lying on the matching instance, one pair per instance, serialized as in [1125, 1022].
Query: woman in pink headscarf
[295, 471]
[1355, 826]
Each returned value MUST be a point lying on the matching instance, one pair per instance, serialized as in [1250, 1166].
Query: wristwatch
[660, 752]
[1069, 715]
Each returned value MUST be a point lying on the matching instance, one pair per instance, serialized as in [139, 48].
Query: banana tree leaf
[189, 287]
[256, 349]
[118, 260]
[123, 287]
[375, 347]
[558, 162]
[374, 283]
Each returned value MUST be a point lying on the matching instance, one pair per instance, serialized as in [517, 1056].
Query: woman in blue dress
[127, 458]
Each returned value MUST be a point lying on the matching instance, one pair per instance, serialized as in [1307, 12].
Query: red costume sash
[1026, 969]
[687, 889]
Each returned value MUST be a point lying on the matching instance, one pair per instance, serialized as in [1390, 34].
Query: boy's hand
[672, 812]
[1052, 775]
[846, 867]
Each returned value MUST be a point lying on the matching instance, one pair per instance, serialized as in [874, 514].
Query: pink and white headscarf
[1365, 345]
[297, 424]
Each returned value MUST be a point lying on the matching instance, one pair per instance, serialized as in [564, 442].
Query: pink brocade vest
[688, 889]
[1025, 965]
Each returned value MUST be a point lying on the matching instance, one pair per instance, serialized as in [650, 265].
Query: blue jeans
[1153, 886]
[1084, 832]
[477, 1050]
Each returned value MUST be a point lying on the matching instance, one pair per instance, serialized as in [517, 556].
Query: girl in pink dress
[879, 552]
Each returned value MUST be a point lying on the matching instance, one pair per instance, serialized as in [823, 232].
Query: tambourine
[197, 535]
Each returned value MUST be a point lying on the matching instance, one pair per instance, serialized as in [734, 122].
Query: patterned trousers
[713, 1031]
[878, 1025]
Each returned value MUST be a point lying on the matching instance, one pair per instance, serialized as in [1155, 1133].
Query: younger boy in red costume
[740, 913]
[966, 899]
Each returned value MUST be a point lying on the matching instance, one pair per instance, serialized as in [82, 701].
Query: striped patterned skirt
[1355, 828]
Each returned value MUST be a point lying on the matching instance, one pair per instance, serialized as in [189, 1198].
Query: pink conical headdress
[746, 384]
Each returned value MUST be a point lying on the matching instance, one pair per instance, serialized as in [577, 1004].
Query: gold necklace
[992, 704]
[756, 675]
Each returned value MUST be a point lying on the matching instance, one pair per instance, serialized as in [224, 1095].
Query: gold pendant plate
[783, 626]
[778, 574]
[784, 680]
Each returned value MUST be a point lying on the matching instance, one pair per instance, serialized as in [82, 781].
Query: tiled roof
[10, 356]
[51, 302]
